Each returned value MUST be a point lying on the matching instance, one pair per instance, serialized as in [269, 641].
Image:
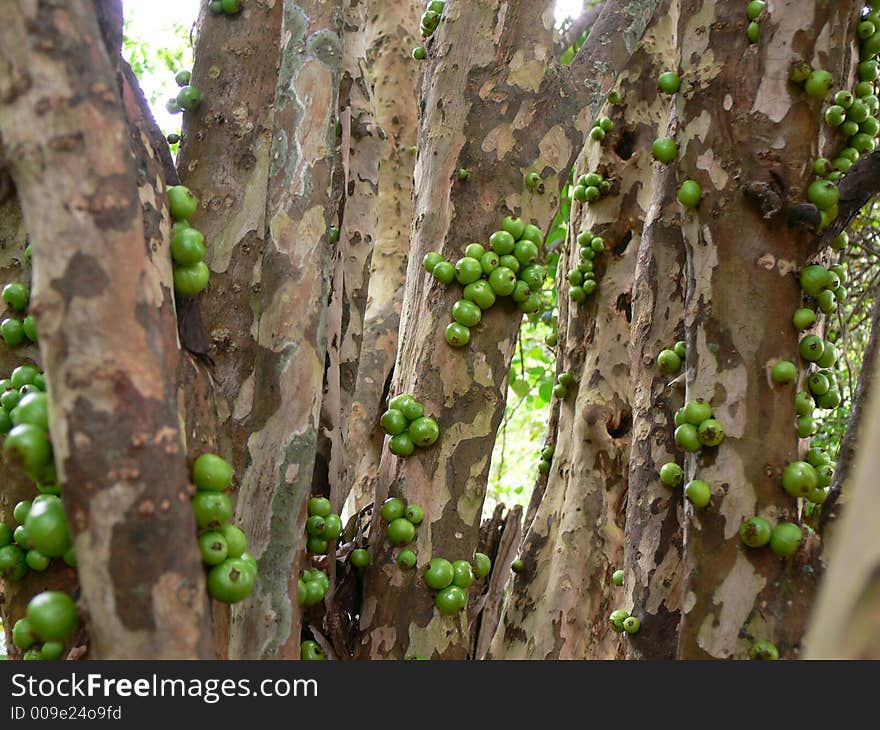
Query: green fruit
[236, 540]
[575, 277]
[398, 402]
[680, 349]
[783, 371]
[401, 445]
[419, 53]
[544, 466]
[52, 616]
[502, 242]
[503, 280]
[835, 115]
[533, 233]
[840, 241]
[823, 194]
[12, 332]
[406, 559]
[818, 384]
[577, 294]
[392, 509]
[450, 600]
[509, 262]
[192, 279]
[829, 400]
[414, 514]
[755, 8]
[822, 167]
[189, 98]
[231, 581]
[698, 492]
[213, 547]
[212, 473]
[187, 246]
[16, 296]
[317, 545]
[489, 261]
[482, 565]
[316, 525]
[463, 574]
[803, 318]
[785, 539]
[230, 7]
[686, 438]
[438, 573]
[444, 272]
[39, 380]
[597, 134]
[814, 279]
[32, 409]
[755, 532]
[868, 70]
[859, 111]
[521, 293]
[310, 651]
[668, 362]
[21, 537]
[411, 409]
[763, 650]
[617, 618]
[332, 527]
[806, 427]
[480, 293]
[560, 391]
[514, 226]
[47, 527]
[811, 348]
[617, 577]
[466, 313]
[430, 260]
[697, 411]
[360, 558]
[467, 270]
[664, 150]
[818, 495]
[826, 474]
[21, 511]
[631, 625]
[319, 506]
[29, 446]
[401, 531]
[817, 456]
[22, 634]
[52, 650]
[457, 335]
[393, 422]
[689, 194]
[526, 252]
[211, 509]
[798, 478]
[826, 301]
[13, 563]
[474, 251]
[753, 32]
[9, 399]
[5, 535]
[818, 83]
[182, 203]
[669, 82]
[533, 180]
[671, 474]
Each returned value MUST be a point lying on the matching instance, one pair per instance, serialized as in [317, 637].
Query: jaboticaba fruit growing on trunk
[785, 539]
[699, 493]
[755, 531]
[438, 573]
[710, 432]
[763, 650]
[671, 474]
[798, 478]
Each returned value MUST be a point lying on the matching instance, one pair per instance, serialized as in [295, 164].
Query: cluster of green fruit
[402, 519]
[50, 622]
[591, 187]
[191, 273]
[312, 587]
[601, 127]
[16, 297]
[407, 425]
[697, 491]
[24, 417]
[754, 11]
[452, 580]
[784, 539]
[669, 360]
[697, 427]
[622, 621]
[509, 268]
[42, 534]
[582, 278]
[225, 7]
[232, 572]
[811, 478]
[322, 525]
[428, 23]
[187, 99]
[563, 382]
[665, 149]
[546, 459]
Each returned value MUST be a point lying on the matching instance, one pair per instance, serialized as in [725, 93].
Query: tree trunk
[743, 128]
[107, 334]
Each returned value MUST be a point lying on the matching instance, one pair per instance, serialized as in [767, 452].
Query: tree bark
[741, 125]
[107, 335]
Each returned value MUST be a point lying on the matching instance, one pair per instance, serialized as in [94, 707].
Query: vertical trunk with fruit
[748, 138]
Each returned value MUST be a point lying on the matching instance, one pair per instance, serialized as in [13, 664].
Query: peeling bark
[391, 34]
[742, 123]
[107, 336]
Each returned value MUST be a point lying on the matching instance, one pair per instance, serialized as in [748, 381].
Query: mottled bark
[559, 605]
[743, 124]
[107, 336]
[488, 72]
[391, 33]
[291, 329]
[846, 618]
